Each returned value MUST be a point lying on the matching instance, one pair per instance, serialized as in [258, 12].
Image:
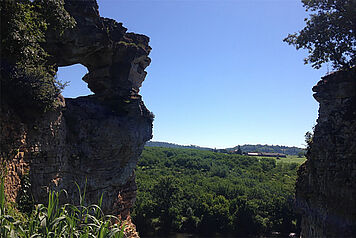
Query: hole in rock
[73, 74]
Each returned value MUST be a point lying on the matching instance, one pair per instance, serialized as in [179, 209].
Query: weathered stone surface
[115, 59]
[326, 186]
[94, 141]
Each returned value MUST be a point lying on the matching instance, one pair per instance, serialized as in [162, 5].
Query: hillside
[172, 145]
[204, 192]
[269, 149]
[245, 148]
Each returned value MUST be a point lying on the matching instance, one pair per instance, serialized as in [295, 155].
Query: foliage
[27, 78]
[55, 220]
[24, 199]
[239, 151]
[244, 148]
[301, 154]
[268, 149]
[329, 34]
[187, 190]
[309, 138]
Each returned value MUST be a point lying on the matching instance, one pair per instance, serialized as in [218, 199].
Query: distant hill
[269, 149]
[172, 145]
[245, 148]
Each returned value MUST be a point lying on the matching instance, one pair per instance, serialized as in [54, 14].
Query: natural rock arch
[94, 140]
[115, 59]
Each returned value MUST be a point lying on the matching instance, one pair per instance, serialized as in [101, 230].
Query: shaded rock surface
[94, 140]
[326, 186]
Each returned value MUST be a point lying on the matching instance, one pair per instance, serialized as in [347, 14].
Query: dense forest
[202, 192]
[244, 148]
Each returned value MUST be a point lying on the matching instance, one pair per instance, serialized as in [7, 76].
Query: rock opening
[72, 75]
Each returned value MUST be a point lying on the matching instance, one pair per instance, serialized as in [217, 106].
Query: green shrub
[28, 80]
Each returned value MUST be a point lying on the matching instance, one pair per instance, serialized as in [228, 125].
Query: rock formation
[96, 140]
[326, 185]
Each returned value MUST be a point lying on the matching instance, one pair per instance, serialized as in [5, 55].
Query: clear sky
[221, 74]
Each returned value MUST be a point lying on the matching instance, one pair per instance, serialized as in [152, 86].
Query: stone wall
[94, 141]
[326, 186]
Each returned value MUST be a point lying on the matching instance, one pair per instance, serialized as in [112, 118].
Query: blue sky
[220, 73]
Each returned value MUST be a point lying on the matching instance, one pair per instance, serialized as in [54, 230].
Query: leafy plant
[27, 76]
[55, 220]
[329, 34]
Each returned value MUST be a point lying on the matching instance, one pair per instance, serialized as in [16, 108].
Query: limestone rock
[326, 186]
[96, 140]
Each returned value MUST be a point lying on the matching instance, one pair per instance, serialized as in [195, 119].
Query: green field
[289, 159]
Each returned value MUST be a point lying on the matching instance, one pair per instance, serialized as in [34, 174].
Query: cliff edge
[326, 185]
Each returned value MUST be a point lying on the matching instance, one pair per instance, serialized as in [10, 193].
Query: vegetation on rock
[28, 80]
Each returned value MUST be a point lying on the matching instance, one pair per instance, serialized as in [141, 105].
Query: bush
[27, 78]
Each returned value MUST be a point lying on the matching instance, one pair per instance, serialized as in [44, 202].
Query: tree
[329, 34]
[239, 151]
[301, 154]
[166, 194]
[308, 138]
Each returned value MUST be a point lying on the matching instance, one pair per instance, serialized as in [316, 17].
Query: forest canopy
[195, 191]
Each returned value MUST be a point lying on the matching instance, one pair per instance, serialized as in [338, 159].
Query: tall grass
[55, 220]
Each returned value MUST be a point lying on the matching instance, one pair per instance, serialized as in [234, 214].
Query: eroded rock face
[326, 186]
[116, 60]
[94, 140]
